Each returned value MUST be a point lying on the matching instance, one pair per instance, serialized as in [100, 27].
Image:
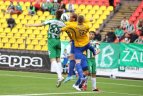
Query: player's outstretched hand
[97, 51]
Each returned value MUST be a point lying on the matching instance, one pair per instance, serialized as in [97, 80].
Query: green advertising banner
[131, 55]
[109, 56]
[111, 53]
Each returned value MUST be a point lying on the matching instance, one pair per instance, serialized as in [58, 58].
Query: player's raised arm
[35, 25]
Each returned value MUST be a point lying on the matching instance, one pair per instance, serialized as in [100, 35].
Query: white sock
[53, 66]
[58, 70]
[93, 80]
[60, 66]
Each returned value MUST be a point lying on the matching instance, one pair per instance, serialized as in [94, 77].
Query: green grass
[15, 83]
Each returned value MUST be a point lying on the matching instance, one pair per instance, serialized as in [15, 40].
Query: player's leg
[84, 65]
[53, 58]
[59, 64]
[93, 74]
[71, 64]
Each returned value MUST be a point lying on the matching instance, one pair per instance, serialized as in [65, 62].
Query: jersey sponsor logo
[21, 61]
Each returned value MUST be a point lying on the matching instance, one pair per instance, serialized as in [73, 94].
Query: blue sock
[79, 70]
[77, 82]
[71, 68]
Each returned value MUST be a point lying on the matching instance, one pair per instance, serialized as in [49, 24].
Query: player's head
[73, 16]
[92, 35]
[80, 19]
[65, 50]
[59, 14]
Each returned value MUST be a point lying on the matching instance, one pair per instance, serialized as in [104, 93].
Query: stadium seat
[34, 41]
[21, 46]
[30, 47]
[14, 46]
[96, 7]
[7, 45]
[44, 48]
[5, 40]
[12, 40]
[37, 47]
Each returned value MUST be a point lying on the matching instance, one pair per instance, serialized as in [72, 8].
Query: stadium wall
[115, 60]
[24, 60]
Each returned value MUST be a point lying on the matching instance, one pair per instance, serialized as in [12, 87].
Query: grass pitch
[16, 83]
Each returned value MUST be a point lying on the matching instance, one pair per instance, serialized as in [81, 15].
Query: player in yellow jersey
[81, 42]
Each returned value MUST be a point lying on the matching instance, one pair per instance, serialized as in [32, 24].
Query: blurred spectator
[111, 36]
[37, 6]
[70, 7]
[55, 1]
[55, 8]
[130, 29]
[10, 8]
[59, 1]
[105, 38]
[31, 9]
[139, 40]
[140, 26]
[124, 23]
[11, 22]
[97, 36]
[133, 37]
[111, 3]
[48, 0]
[44, 6]
[119, 33]
[126, 39]
[18, 9]
[63, 6]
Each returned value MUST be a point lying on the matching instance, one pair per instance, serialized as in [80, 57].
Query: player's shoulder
[70, 23]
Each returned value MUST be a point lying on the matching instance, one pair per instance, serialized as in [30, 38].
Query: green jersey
[89, 54]
[54, 28]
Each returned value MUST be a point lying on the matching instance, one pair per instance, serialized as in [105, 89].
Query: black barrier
[26, 61]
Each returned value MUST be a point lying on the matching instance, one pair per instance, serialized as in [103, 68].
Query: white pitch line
[45, 94]
[56, 78]
[69, 93]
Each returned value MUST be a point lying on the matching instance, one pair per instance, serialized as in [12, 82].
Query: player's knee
[71, 57]
[93, 75]
[58, 60]
[78, 61]
[53, 59]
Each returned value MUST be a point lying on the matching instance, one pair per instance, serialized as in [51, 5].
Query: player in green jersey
[91, 60]
[54, 43]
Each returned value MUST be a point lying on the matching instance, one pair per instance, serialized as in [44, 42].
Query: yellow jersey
[79, 33]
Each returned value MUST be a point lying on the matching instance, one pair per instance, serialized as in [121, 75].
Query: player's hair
[59, 14]
[80, 19]
[92, 32]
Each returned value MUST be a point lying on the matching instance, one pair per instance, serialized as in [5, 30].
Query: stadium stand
[124, 11]
[23, 38]
[137, 15]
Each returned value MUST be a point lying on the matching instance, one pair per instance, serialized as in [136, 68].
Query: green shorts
[91, 65]
[54, 48]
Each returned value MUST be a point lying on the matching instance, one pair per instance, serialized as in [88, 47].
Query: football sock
[71, 67]
[79, 70]
[93, 80]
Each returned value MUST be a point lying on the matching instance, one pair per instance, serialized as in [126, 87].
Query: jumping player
[54, 43]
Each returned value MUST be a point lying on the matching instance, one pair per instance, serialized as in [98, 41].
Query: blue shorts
[72, 47]
[79, 51]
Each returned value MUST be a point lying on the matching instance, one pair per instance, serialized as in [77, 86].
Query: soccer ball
[65, 17]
